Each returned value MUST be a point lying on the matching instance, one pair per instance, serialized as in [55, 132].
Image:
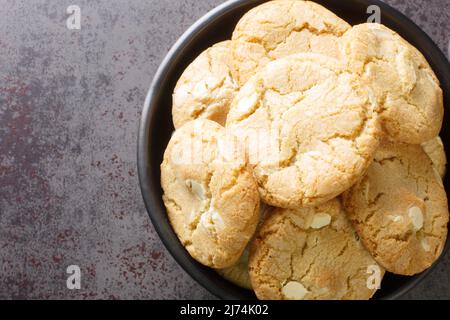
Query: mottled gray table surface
[70, 103]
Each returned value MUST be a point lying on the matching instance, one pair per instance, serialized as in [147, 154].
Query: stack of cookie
[306, 160]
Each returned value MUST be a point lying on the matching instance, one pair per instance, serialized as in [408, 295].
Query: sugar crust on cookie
[400, 210]
[206, 88]
[280, 28]
[310, 254]
[238, 273]
[408, 91]
[309, 127]
[210, 194]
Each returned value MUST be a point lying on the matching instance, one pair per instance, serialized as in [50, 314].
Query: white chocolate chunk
[181, 96]
[395, 218]
[294, 290]
[205, 221]
[200, 91]
[212, 218]
[196, 188]
[425, 245]
[246, 105]
[217, 219]
[320, 220]
[416, 216]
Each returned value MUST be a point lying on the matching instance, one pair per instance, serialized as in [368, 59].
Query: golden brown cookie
[409, 94]
[312, 254]
[206, 88]
[210, 194]
[399, 209]
[309, 127]
[435, 150]
[280, 28]
[238, 273]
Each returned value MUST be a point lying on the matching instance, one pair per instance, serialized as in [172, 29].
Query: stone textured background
[70, 104]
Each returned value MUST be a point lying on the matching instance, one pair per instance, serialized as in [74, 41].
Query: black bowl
[156, 124]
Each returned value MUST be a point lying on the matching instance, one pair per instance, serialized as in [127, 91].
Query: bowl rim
[148, 118]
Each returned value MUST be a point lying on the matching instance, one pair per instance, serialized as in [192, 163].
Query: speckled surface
[70, 104]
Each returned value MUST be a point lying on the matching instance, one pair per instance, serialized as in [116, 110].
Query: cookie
[309, 127]
[409, 94]
[277, 29]
[210, 194]
[312, 254]
[399, 209]
[238, 273]
[435, 150]
[206, 88]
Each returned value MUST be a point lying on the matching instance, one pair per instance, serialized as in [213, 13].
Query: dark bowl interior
[156, 123]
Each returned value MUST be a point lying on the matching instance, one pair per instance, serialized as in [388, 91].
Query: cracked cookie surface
[309, 127]
[436, 151]
[238, 273]
[280, 28]
[210, 194]
[409, 94]
[206, 88]
[312, 254]
[399, 209]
